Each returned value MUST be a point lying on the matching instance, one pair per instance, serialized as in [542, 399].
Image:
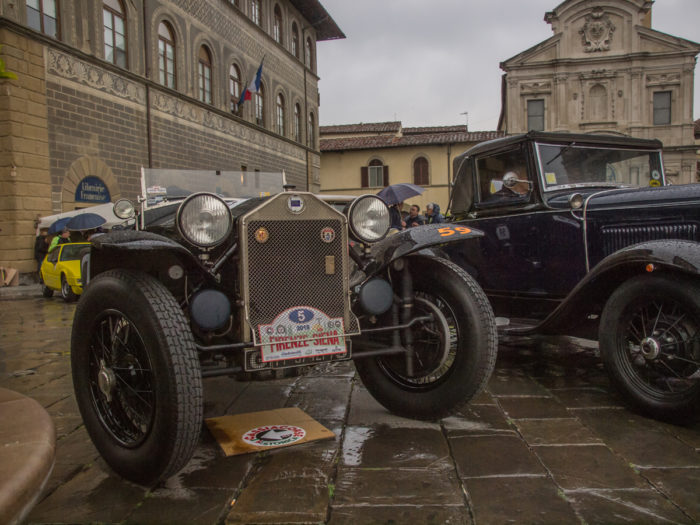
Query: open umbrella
[58, 225]
[395, 193]
[85, 221]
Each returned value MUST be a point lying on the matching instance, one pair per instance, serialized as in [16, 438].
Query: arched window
[204, 75]
[114, 19]
[166, 55]
[234, 86]
[598, 97]
[420, 172]
[309, 54]
[277, 25]
[255, 12]
[42, 15]
[311, 135]
[374, 175]
[260, 106]
[295, 40]
[297, 122]
[280, 114]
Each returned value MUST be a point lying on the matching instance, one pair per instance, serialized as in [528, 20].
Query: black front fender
[670, 257]
[129, 248]
[413, 240]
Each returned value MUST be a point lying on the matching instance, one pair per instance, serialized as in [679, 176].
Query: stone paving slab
[518, 499]
[546, 442]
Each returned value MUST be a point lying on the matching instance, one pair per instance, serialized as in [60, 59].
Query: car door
[51, 277]
[530, 252]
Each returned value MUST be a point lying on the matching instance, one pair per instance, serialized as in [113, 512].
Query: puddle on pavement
[353, 443]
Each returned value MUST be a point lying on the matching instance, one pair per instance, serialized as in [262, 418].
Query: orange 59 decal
[452, 230]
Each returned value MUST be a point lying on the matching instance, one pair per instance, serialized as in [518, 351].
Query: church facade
[606, 70]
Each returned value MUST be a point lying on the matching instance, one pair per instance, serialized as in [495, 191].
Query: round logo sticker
[328, 234]
[654, 183]
[262, 235]
[274, 435]
[295, 204]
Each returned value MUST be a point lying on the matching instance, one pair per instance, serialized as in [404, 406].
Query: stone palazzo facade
[606, 70]
[104, 88]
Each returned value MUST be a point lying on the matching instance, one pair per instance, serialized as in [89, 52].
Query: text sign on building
[92, 189]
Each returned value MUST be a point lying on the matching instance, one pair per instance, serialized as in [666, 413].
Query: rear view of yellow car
[60, 270]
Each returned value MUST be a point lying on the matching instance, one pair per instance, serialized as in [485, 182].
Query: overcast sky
[424, 62]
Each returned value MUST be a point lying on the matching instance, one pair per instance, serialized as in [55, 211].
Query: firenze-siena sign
[92, 189]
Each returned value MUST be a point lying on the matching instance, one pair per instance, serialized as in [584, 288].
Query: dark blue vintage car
[584, 236]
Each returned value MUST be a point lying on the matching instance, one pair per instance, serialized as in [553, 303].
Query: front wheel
[650, 345]
[66, 291]
[136, 376]
[454, 353]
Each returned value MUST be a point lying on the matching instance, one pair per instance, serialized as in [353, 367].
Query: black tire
[650, 344]
[129, 334]
[66, 291]
[46, 291]
[447, 374]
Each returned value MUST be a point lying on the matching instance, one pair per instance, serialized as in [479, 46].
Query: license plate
[299, 333]
[254, 361]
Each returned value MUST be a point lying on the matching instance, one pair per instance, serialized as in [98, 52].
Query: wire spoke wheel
[453, 354]
[121, 379]
[650, 344]
[663, 347]
[434, 343]
[136, 375]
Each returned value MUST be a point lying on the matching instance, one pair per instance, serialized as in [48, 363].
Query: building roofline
[324, 25]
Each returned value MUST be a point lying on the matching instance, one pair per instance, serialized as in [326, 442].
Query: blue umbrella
[85, 221]
[395, 193]
[58, 225]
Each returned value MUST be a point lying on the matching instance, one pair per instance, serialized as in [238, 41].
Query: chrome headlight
[204, 220]
[369, 218]
[124, 209]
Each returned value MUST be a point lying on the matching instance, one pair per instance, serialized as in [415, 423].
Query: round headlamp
[369, 219]
[124, 209]
[204, 220]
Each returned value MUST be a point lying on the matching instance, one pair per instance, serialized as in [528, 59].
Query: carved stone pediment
[663, 79]
[529, 88]
[597, 31]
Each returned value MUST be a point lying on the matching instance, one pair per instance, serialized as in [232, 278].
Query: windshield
[162, 185]
[566, 166]
[73, 252]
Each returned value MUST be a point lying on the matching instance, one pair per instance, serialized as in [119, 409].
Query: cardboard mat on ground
[256, 431]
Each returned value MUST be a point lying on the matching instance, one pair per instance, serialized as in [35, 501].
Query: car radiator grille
[290, 269]
[618, 237]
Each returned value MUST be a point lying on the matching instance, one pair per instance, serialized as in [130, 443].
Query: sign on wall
[91, 189]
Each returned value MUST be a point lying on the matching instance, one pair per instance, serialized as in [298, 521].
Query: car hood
[601, 198]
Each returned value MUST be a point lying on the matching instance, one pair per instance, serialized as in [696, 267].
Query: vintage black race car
[232, 281]
[583, 236]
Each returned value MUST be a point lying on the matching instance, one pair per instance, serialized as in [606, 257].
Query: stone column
[25, 182]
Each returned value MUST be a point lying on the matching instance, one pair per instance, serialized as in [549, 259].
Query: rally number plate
[254, 362]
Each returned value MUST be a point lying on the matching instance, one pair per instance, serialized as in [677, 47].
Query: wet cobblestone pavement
[546, 443]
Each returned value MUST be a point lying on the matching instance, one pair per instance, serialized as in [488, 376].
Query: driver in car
[512, 186]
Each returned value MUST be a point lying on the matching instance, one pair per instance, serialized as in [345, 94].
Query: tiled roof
[370, 127]
[390, 141]
[435, 129]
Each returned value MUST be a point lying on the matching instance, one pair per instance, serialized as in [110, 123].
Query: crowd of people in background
[401, 221]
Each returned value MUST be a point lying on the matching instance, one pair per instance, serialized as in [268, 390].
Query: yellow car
[60, 270]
